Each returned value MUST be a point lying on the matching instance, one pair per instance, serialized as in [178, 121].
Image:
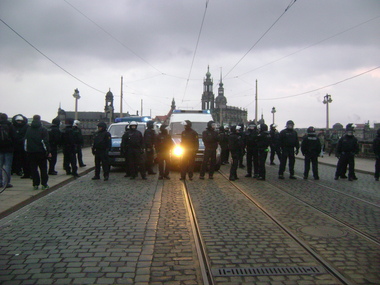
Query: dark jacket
[263, 141]
[132, 139]
[250, 138]
[210, 139]
[223, 139]
[7, 143]
[149, 138]
[376, 146]
[189, 140]
[311, 146]
[102, 141]
[78, 137]
[68, 140]
[234, 144]
[289, 139]
[275, 138]
[37, 138]
[164, 142]
[55, 137]
[20, 131]
[347, 145]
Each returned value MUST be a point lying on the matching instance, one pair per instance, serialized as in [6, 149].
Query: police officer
[164, 144]
[274, 144]
[347, 147]
[100, 148]
[20, 164]
[250, 140]
[223, 142]
[263, 142]
[54, 141]
[376, 150]
[124, 151]
[210, 140]
[133, 145]
[79, 142]
[289, 146]
[190, 145]
[149, 140]
[234, 143]
[241, 133]
[311, 148]
[69, 149]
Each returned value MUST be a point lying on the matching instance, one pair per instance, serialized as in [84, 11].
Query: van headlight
[178, 151]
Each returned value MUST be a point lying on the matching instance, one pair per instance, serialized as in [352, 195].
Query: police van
[199, 120]
[117, 131]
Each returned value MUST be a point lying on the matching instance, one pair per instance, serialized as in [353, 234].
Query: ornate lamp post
[76, 96]
[326, 100]
[273, 112]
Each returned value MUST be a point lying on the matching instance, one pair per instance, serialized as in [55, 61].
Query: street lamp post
[76, 96]
[273, 112]
[326, 100]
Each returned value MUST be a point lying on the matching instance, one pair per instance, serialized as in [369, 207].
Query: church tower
[108, 108]
[221, 100]
[208, 95]
[173, 106]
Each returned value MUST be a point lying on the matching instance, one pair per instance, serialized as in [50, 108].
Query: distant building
[221, 112]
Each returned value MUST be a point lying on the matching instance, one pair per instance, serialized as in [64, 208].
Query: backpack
[5, 138]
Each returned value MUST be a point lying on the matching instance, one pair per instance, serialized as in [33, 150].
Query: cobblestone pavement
[355, 256]
[115, 232]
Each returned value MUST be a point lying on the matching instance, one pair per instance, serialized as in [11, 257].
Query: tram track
[330, 268]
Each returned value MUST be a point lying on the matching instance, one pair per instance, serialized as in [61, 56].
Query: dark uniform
[100, 148]
[250, 140]
[376, 150]
[334, 139]
[235, 146]
[242, 153]
[69, 149]
[20, 164]
[289, 146]
[37, 147]
[347, 148]
[55, 136]
[190, 146]
[164, 144]
[223, 142]
[210, 139]
[132, 143]
[263, 142]
[149, 140]
[311, 148]
[78, 142]
[274, 144]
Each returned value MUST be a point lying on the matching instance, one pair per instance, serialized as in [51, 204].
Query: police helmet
[263, 127]
[76, 123]
[311, 130]
[290, 122]
[133, 123]
[102, 125]
[350, 127]
[211, 124]
[273, 126]
[187, 123]
[150, 124]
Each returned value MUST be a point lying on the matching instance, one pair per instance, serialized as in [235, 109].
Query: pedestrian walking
[311, 149]
[7, 140]
[210, 140]
[79, 142]
[69, 146]
[263, 143]
[347, 148]
[55, 137]
[334, 139]
[274, 144]
[289, 148]
[149, 141]
[164, 145]
[132, 143]
[234, 142]
[376, 150]
[223, 142]
[101, 145]
[20, 164]
[190, 145]
[38, 150]
[250, 141]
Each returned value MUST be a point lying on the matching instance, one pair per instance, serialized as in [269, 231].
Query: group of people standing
[26, 150]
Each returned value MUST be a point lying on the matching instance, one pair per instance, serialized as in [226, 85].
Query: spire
[208, 74]
[221, 77]
[173, 104]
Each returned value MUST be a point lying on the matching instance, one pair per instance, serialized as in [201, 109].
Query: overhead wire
[262, 36]
[48, 58]
[113, 37]
[309, 46]
[195, 50]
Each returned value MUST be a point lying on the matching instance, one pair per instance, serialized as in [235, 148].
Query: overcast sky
[89, 45]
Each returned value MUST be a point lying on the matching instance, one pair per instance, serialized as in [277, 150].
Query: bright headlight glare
[178, 151]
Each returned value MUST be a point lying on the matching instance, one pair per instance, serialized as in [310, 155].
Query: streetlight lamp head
[76, 94]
